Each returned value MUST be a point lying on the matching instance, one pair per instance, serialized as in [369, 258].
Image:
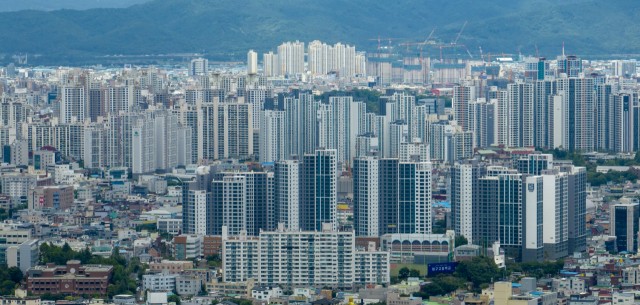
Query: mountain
[231, 28]
[49, 5]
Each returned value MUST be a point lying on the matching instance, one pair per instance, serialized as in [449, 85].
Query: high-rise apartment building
[534, 164]
[414, 196]
[252, 62]
[365, 196]
[555, 213]
[97, 104]
[318, 190]
[462, 97]
[198, 66]
[463, 189]
[326, 257]
[270, 64]
[234, 130]
[287, 193]
[291, 58]
[72, 104]
[272, 136]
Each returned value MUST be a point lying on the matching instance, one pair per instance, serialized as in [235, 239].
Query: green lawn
[395, 268]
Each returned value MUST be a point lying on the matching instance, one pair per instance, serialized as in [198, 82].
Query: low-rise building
[58, 197]
[24, 255]
[159, 282]
[241, 289]
[170, 225]
[266, 292]
[188, 246]
[73, 279]
[173, 267]
[188, 285]
[212, 245]
[19, 300]
[395, 299]
[124, 299]
[503, 295]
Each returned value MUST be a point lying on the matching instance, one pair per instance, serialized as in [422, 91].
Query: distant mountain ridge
[233, 27]
[49, 5]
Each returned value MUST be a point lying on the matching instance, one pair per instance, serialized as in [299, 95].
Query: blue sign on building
[442, 268]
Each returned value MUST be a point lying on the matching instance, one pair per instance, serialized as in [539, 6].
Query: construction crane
[456, 42]
[454, 47]
[350, 163]
[495, 55]
[381, 39]
[465, 47]
[418, 43]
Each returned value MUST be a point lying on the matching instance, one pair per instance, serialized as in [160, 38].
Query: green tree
[15, 274]
[174, 298]
[430, 290]
[480, 269]
[214, 302]
[414, 273]
[404, 273]
[461, 241]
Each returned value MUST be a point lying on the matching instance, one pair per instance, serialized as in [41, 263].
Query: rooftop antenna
[563, 48]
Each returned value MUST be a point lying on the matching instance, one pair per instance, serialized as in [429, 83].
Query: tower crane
[456, 41]
[381, 39]
[421, 44]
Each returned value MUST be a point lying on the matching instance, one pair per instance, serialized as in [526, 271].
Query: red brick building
[72, 279]
[212, 245]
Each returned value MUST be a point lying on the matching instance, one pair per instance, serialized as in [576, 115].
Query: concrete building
[159, 282]
[287, 193]
[71, 105]
[24, 255]
[18, 185]
[58, 197]
[188, 285]
[272, 136]
[318, 191]
[42, 159]
[76, 279]
[242, 289]
[266, 292]
[624, 219]
[199, 66]
[245, 258]
[252, 62]
[170, 225]
[173, 267]
[17, 153]
[365, 196]
[188, 246]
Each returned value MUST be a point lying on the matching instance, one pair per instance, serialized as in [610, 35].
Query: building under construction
[409, 70]
[451, 70]
[379, 67]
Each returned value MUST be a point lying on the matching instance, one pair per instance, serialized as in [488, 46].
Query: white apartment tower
[365, 196]
[198, 213]
[199, 66]
[72, 104]
[272, 136]
[291, 58]
[270, 64]
[287, 193]
[252, 62]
